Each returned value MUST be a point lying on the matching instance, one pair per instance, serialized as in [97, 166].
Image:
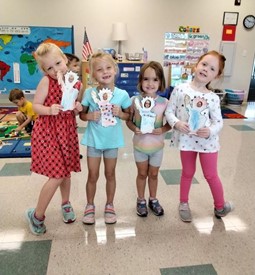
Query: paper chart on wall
[184, 48]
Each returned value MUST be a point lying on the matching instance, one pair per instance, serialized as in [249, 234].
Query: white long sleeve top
[187, 104]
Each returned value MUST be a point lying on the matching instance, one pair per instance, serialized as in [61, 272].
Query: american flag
[86, 48]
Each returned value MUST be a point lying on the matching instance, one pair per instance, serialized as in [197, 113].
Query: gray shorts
[97, 153]
[155, 159]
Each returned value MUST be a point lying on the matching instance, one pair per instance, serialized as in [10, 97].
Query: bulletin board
[184, 48]
[181, 52]
[18, 68]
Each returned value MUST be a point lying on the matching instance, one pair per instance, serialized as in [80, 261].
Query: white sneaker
[184, 212]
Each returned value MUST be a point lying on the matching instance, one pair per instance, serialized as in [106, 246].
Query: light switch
[244, 53]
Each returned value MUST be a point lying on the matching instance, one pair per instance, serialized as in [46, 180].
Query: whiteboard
[228, 50]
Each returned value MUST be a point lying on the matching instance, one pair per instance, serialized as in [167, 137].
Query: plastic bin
[222, 95]
[234, 97]
[134, 56]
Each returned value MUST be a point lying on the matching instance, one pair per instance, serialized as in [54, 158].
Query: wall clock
[249, 22]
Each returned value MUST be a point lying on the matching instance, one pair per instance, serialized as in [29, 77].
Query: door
[251, 95]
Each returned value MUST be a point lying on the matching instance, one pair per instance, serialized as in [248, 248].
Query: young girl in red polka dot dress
[55, 145]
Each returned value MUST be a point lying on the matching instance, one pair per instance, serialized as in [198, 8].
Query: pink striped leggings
[209, 166]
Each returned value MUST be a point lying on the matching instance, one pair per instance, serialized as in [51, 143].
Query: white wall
[147, 21]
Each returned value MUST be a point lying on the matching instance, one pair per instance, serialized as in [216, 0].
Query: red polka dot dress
[54, 142]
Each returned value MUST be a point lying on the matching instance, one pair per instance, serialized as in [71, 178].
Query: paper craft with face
[197, 109]
[105, 95]
[147, 116]
[70, 93]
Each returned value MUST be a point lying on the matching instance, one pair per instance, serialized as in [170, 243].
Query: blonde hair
[101, 56]
[45, 48]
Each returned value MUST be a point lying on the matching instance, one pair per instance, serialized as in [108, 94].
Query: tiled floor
[137, 245]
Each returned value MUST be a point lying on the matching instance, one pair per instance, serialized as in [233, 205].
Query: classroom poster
[18, 68]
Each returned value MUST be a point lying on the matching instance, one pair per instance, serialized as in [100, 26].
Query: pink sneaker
[89, 214]
[109, 214]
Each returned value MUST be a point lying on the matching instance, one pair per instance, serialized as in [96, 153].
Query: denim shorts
[97, 153]
[155, 159]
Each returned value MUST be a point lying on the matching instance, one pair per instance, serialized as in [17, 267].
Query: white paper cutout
[70, 93]
[105, 95]
[147, 116]
[16, 72]
[196, 110]
[103, 102]
[94, 97]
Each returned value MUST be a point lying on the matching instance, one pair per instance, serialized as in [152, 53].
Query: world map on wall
[18, 68]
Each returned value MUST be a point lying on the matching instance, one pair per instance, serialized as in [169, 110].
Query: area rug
[12, 145]
[8, 113]
[15, 148]
[7, 110]
[228, 113]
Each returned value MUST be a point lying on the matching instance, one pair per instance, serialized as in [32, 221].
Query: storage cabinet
[127, 78]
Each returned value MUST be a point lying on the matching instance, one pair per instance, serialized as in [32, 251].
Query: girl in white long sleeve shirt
[194, 114]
